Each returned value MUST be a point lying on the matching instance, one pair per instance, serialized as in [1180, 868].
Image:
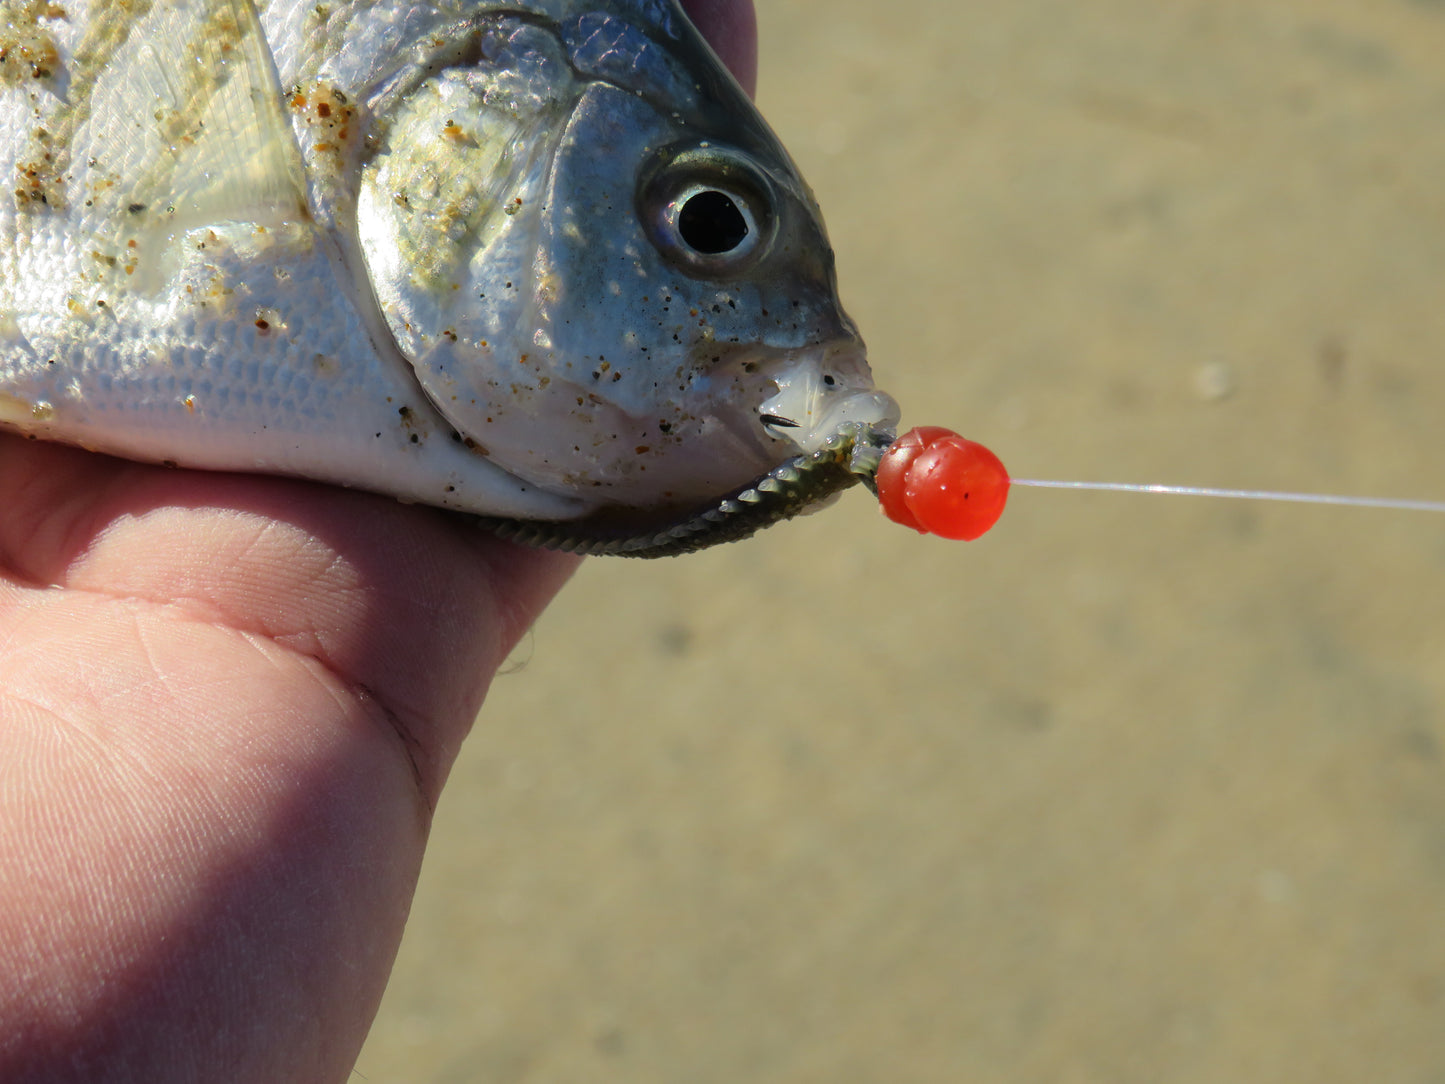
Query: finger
[730, 27]
[416, 607]
[208, 850]
[219, 749]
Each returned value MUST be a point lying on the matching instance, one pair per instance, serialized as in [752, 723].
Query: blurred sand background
[1134, 789]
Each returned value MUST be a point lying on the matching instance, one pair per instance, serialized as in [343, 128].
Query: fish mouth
[797, 485]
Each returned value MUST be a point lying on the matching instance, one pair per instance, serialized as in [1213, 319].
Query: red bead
[935, 481]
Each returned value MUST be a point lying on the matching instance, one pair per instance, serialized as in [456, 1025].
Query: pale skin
[228, 706]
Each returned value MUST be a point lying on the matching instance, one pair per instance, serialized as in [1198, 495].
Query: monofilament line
[1398, 503]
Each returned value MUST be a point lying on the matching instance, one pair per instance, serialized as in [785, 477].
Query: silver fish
[538, 261]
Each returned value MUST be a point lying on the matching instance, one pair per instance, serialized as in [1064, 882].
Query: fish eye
[711, 222]
[708, 210]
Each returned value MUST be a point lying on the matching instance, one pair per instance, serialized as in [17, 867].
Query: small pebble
[1214, 381]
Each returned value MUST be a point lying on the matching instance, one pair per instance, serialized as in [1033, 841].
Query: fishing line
[937, 482]
[1398, 503]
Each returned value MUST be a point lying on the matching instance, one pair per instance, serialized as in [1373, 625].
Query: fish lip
[795, 486]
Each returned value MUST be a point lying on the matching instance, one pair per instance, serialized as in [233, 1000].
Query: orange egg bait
[937, 482]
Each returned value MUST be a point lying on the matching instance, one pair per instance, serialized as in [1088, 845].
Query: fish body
[539, 261]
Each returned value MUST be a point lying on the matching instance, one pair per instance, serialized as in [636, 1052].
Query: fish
[539, 262]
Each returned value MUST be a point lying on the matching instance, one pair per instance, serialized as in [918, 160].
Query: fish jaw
[805, 483]
[823, 415]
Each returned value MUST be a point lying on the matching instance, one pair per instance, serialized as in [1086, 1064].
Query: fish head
[610, 278]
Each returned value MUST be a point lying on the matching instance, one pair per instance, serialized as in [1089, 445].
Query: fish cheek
[608, 308]
[620, 325]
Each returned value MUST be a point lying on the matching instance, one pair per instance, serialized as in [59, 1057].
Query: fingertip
[731, 28]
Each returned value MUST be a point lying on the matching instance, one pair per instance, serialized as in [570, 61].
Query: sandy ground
[1134, 789]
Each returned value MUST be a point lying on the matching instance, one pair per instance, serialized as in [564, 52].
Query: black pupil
[711, 223]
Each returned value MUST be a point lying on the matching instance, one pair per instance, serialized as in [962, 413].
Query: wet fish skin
[433, 250]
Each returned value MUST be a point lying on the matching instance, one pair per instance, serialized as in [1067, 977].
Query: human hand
[228, 705]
